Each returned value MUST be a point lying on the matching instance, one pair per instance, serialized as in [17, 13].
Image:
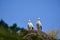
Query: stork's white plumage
[39, 25]
[30, 25]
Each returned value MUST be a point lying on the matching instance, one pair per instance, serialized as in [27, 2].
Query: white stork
[38, 24]
[30, 25]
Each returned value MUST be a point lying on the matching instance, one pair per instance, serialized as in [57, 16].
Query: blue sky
[20, 11]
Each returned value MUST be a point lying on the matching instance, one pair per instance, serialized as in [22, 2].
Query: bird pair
[38, 24]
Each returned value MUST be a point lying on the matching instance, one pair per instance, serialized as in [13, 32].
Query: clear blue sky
[19, 11]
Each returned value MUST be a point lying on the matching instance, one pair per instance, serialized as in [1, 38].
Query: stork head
[29, 21]
[38, 18]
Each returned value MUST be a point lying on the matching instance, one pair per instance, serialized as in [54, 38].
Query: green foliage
[9, 32]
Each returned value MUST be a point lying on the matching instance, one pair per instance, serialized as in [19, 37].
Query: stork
[30, 25]
[38, 24]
